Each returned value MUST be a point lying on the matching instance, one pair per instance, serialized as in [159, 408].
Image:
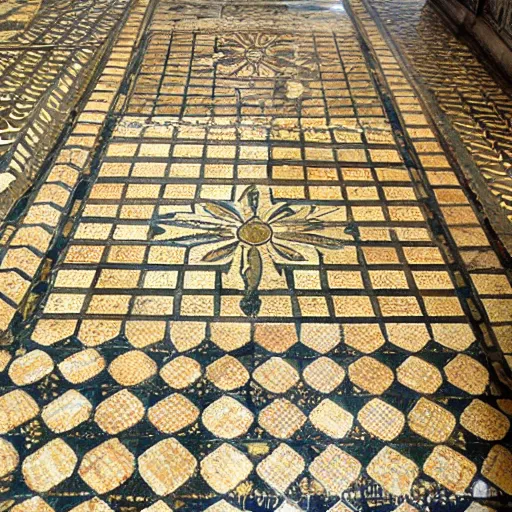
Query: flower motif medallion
[254, 236]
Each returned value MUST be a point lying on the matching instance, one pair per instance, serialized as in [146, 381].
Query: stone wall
[488, 22]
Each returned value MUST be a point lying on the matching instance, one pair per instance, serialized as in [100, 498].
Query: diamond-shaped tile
[467, 374]
[288, 506]
[405, 507]
[340, 507]
[280, 469]
[16, 408]
[331, 419]
[321, 338]
[5, 358]
[30, 368]
[94, 505]
[281, 418]
[225, 468]
[187, 335]
[410, 337]
[276, 375]
[107, 466]
[166, 466]
[141, 334]
[159, 506]
[49, 466]
[222, 506]
[417, 374]
[335, 469]
[450, 469]
[82, 366]
[227, 373]
[381, 419]
[230, 336]
[119, 412]
[324, 375]
[181, 372]
[173, 413]
[485, 421]
[455, 336]
[370, 375]
[496, 468]
[431, 421]
[67, 411]
[48, 332]
[35, 504]
[277, 338]
[394, 472]
[366, 338]
[132, 368]
[227, 418]
[9, 458]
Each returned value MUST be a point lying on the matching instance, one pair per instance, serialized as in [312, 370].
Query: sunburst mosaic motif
[249, 276]
[252, 232]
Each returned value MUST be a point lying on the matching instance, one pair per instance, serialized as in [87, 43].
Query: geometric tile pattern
[255, 303]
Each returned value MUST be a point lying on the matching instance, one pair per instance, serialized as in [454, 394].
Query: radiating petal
[223, 210]
[220, 253]
[287, 252]
[312, 239]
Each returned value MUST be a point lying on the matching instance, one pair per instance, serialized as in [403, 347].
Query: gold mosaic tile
[393, 471]
[159, 506]
[222, 506]
[455, 336]
[9, 458]
[496, 468]
[30, 368]
[324, 375]
[94, 333]
[119, 412]
[166, 466]
[49, 466]
[187, 335]
[230, 336]
[94, 505]
[381, 419]
[276, 375]
[132, 368]
[225, 467]
[181, 372]
[335, 469]
[467, 374]
[66, 412]
[48, 332]
[371, 375]
[82, 366]
[281, 418]
[227, 418]
[431, 421]
[140, 334]
[281, 468]
[16, 407]
[450, 468]
[366, 338]
[107, 466]
[173, 413]
[484, 421]
[251, 236]
[410, 337]
[417, 374]
[331, 419]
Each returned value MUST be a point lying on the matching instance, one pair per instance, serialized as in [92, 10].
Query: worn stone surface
[271, 290]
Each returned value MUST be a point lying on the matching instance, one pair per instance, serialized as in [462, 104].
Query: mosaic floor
[252, 276]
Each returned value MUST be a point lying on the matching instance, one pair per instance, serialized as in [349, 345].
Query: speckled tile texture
[253, 278]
